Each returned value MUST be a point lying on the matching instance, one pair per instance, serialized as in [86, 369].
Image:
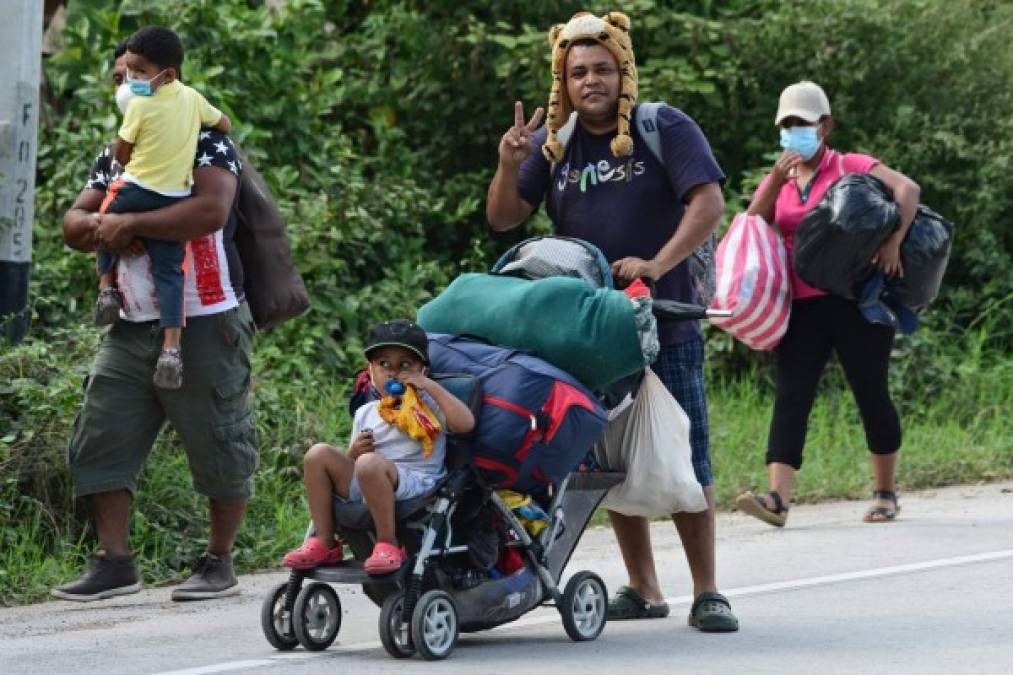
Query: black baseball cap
[399, 333]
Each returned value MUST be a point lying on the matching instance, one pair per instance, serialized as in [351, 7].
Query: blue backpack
[537, 422]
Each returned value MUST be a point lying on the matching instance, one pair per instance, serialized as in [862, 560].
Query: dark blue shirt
[628, 206]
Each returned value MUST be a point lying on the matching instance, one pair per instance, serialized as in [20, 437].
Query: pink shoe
[386, 558]
[312, 554]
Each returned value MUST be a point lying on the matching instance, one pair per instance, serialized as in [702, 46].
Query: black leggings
[817, 327]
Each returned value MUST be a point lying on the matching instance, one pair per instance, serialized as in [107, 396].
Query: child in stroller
[471, 564]
[384, 463]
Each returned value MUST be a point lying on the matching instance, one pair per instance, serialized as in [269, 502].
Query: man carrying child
[123, 411]
[155, 145]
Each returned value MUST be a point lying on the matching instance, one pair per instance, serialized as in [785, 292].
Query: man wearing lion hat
[641, 183]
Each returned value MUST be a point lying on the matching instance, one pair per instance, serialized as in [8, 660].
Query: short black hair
[119, 50]
[159, 45]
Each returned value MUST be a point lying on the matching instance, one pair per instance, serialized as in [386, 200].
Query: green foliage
[376, 126]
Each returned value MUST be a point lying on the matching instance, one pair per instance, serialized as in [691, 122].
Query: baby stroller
[443, 589]
[450, 535]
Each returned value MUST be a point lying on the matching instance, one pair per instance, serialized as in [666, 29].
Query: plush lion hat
[612, 31]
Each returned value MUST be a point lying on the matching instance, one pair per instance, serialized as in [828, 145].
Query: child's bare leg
[326, 470]
[172, 337]
[377, 478]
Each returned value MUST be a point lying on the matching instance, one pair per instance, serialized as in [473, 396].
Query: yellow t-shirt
[163, 129]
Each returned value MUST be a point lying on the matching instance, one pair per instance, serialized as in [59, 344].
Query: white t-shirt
[397, 446]
[207, 285]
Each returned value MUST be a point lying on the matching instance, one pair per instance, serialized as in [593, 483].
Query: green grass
[941, 445]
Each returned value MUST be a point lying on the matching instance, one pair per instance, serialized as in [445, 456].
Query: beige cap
[805, 100]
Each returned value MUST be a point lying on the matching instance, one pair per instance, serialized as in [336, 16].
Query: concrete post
[20, 71]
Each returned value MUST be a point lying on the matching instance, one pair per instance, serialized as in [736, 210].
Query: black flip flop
[628, 604]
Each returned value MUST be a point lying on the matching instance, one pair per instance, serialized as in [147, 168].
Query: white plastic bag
[649, 441]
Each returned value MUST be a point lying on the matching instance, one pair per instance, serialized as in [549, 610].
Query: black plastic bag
[924, 254]
[835, 242]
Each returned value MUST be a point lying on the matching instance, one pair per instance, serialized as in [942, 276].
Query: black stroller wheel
[584, 606]
[435, 627]
[398, 643]
[316, 616]
[275, 621]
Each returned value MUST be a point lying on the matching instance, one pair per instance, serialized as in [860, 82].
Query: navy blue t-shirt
[627, 206]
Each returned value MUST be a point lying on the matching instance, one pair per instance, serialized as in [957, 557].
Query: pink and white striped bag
[752, 283]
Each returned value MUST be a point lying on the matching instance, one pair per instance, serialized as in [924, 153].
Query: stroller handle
[670, 310]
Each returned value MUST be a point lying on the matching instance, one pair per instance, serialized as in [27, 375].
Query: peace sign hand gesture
[515, 146]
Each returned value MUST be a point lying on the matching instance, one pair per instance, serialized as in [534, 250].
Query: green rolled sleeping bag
[589, 332]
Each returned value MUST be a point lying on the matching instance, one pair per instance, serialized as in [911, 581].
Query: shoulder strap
[563, 136]
[566, 131]
[646, 117]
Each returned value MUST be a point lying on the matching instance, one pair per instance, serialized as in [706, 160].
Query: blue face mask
[141, 87]
[803, 140]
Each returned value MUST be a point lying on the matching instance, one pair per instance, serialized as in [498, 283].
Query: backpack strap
[701, 260]
[563, 136]
[646, 117]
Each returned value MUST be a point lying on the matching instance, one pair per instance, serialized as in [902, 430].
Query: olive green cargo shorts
[123, 411]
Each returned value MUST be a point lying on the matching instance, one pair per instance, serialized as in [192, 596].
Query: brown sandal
[757, 507]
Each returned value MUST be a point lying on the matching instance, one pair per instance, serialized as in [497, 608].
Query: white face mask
[123, 97]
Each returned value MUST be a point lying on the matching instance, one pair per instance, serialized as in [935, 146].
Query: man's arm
[704, 206]
[80, 223]
[505, 208]
[192, 218]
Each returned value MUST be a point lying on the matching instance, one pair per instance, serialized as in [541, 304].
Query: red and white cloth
[753, 283]
[207, 284]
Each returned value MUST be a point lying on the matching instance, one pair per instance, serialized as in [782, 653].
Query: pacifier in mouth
[394, 388]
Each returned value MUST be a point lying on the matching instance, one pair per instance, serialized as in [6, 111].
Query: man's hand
[515, 146]
[887, 258]
[115, 231]
[91, 222]
[630, 269]
[362, 444]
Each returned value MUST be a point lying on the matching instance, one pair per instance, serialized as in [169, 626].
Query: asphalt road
[931, 593]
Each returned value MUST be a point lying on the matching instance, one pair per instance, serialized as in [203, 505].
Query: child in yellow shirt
[156, 146]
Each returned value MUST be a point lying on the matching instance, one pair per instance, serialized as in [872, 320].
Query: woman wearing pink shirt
[822, 323]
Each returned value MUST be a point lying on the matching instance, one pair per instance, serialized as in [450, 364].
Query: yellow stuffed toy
[530, 515]
[613, 32]
[410, 414]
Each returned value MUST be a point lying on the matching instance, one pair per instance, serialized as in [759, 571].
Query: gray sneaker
[169, 370]
[107, 576]
[213, 577]
[107, 307]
